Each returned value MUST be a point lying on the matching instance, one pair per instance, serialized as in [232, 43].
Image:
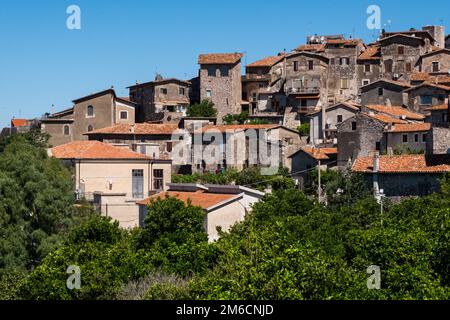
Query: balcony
[303, 90]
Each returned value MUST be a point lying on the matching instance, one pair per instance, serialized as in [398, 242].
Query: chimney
[376, 162]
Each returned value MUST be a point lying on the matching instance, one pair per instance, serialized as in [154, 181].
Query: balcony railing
[303, 90]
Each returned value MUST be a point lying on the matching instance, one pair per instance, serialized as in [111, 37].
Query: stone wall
[438, 141]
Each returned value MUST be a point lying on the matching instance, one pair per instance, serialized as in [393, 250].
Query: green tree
[203, 109]
[304, 129]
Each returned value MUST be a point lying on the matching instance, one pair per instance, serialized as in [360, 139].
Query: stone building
[242, 146]
[95, 111]
[361, 135]
[161, 100]
[259, 85]
[438, 141]
[154, 140]
[323, 123]
[308, 158]
[384, 92]
[436, 62]
[400, 54]
[426, 95]
[447, 42]
[368, 67]
[342, 83]
[220, 82]
[403, 175]
[438, 115]
[305, 83]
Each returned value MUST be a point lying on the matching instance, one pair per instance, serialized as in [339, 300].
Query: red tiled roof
[385, 118]
[347, 42]
[397, 111]
[420, 76]
[424, 76]
[219, 58]
[438, 108]
[138, 129]
[266, 62]
[320, 153]
[311, 47]
[411, 127]
[198, 198]
[417, 163]
[18, 123]
[93, 150]
[370, 53]
[429, 84]
[235, 127]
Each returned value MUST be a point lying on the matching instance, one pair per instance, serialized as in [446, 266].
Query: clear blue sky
[43, 63]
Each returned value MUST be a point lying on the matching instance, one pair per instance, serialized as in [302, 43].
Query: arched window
[66, 130]
[90, 111]
[90, 128]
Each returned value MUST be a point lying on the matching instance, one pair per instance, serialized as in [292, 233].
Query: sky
[43, 63]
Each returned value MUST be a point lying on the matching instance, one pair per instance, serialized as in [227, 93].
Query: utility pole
[320, 186]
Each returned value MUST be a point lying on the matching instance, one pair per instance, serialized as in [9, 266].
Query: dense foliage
[203, 109]
[289, 247]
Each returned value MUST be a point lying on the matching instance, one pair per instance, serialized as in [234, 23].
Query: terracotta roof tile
[198, 198]
[420, 76]
[404, 164]
[19, 123]
[311, 47]
[220, 58]
[385, 118]
[236, 127]
[397, 111]
[347, 42]
[411, 127]
[266, 62]
[93, 150]
[138, 129]
[371, 53]
[438, 108]
[320, 153]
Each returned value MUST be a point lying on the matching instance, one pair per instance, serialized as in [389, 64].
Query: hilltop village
[333, 103]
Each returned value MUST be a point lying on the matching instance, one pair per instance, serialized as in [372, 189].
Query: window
[123, 115]
[137, 183]
[424, 137]
[344, 83]
[416, 137]
[401, 50]
[182, 91]
[295, 65]
[303, 103]
[163, 90]
[365, 82]
[211, 71]
[310, 65]
[90, 128]
[339, 118]
[66, 130]
[426, 99]
[353, 126]
[262, 85]
[254, 96]
[367, 67]
[332, 61]
[90, 111]
[208, 93]
[444, 117]
[345, 61]
[388, 66]
[377, 146]
[435, 66]
[405, 138]
[408, 67]
[380, 91]
[224, 71]
[158, 179]
[169, 146]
